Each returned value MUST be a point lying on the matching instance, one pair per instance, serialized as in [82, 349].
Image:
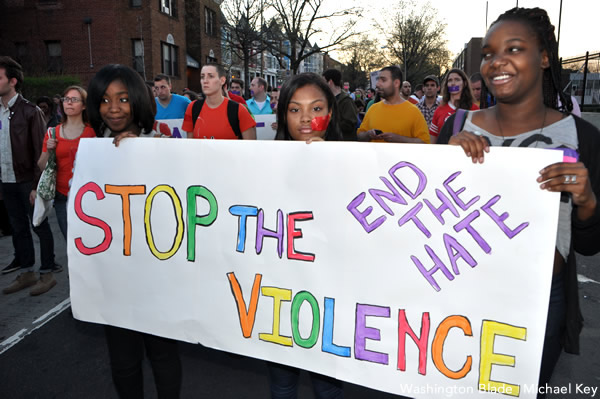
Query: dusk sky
[466, 19]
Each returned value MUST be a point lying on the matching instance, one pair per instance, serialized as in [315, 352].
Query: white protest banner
[264, 131]
[405, 268]
[173, 127]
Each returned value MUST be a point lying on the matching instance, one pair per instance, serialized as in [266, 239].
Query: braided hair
[538, 21]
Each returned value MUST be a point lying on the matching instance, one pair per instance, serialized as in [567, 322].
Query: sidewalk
[21, 313]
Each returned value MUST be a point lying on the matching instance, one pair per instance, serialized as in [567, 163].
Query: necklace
[540, 133]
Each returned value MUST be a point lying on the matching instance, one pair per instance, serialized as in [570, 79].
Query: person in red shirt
[213, 121]
[456, 93]
[74, 127]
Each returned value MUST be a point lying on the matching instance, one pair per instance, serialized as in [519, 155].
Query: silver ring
[570, 179]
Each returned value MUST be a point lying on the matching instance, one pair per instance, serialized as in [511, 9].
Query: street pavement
[45, 353]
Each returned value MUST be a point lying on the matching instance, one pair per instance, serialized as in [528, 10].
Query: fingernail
[481, 160]
[542, 171]
[539, 179]
[543, 186]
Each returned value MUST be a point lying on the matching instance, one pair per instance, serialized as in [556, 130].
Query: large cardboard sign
[405, 268]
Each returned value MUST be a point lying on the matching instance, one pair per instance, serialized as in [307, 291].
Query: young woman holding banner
[306, 111]
[521, 68]
[119, 105]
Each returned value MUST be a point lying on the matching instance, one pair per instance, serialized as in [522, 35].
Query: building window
[170, 64]
[210, 20]
[138, 55]
[135, 3]
[22, 52]
[54, 55]
[210, 59]
[169, 7]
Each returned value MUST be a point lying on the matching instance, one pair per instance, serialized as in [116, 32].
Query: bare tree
[416, 40]
[242, 38]
[298, 22]
[362, 56]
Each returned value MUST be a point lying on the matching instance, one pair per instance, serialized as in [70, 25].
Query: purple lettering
[466, 224]
[446, 205]
[262, 232]
[454, 194]
[456, 251]
[421, 176]
[437, 265]
[362, 216]
[412, 215]
[394, 196]
[363, 333]
[499, 219]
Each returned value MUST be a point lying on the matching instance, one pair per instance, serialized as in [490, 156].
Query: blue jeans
[60, 207]
[20, 214]
[284, 383]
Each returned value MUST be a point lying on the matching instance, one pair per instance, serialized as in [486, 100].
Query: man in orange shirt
[393, 119]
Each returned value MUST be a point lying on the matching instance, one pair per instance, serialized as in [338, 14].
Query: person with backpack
[217, 117]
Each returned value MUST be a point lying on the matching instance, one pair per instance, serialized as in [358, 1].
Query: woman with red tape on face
[306, 111]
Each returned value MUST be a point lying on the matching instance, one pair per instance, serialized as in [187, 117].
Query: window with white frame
[168, 7]
[137, 46]
[210, 20]
[169, 58]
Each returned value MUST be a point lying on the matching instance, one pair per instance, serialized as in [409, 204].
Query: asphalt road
[45, 353]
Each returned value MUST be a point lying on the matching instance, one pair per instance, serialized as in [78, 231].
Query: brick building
[470, 58]
[203, 32]
[79, 37]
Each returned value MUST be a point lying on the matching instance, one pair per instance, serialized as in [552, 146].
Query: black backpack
[232, 115]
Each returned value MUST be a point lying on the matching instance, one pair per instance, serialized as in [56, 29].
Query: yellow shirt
[403, 119]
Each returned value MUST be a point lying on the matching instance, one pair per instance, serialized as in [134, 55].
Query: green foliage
[37, 86]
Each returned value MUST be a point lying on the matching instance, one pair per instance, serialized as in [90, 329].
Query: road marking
[39, 322]
[583, 279]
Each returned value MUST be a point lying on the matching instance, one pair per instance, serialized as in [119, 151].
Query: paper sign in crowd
[264, 129]
[405, 268]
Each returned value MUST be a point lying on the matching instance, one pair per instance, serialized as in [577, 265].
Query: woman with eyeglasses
[74, 126]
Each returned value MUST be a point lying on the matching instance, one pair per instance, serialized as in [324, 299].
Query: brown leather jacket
[27, 129]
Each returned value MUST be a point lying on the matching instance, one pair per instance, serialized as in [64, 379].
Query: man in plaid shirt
[430, 101]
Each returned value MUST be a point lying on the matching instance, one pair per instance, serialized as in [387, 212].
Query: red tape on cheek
[319, 123]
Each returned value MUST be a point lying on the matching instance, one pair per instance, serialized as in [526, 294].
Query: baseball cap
[431, 77]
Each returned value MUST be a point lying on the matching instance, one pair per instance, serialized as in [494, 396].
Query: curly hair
[538, 21]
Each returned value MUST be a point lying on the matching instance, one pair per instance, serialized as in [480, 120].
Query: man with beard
[393, 119]
[406, 90]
